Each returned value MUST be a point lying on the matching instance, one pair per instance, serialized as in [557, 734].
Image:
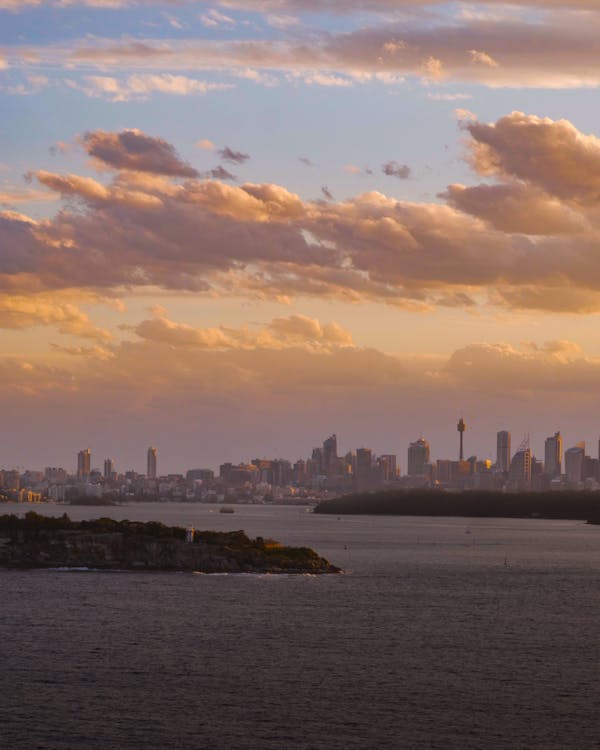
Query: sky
[230, 229]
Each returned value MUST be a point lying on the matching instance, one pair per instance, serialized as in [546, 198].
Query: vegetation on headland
[473, 503]
[48, 541]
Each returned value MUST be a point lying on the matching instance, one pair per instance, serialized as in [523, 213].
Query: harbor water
[442, 633]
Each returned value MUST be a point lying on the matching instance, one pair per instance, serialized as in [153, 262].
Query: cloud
[502, 368]
[551, 154]
[306, 161]
[516, 207]
[89, 352]
[32, 84]
[214, 18]
[133, 149]
[141, 86]
[327, 193]
[354, 169]
[300, 328]
[206, 144]
[528, 241]
[280, 333]
[556, 50]
[395, 169]
[274, 8]
[18, 312]
[235, 157]
[18, 5]
[220, 173]
[11, 196]
[326, 79]
[482, 58]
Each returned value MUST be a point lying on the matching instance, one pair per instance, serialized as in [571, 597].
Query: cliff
[43, 542]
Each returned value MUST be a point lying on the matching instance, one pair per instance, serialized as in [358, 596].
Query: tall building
[503, 450]
[520, 468]
[109, 468]
[84, 462]
[363, 474]
[574, 460]
[553, 455]
[329, 454]
[151, 468]
[389, 465]
[418, 456]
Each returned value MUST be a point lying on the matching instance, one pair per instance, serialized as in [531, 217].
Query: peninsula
[584, 506]
[37, 541]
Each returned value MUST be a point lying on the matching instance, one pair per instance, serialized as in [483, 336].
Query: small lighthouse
[461, 427]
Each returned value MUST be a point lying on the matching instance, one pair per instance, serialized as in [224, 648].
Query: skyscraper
[418, 456]
[329, 453]
[553, 454]
[151, 470]
[503, 450]
[520, 468]
[574, 459]
[84, 461]
[363, 475]
[109, 468]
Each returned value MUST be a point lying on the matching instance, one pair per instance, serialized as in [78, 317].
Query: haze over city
[228, 227]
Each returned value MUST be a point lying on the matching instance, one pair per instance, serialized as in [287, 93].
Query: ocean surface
[442, 633]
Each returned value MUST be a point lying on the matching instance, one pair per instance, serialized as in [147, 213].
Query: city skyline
[551, 453]
[247, 222]
[326, 472]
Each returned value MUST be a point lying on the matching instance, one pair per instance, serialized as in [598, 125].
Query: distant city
[324, 474]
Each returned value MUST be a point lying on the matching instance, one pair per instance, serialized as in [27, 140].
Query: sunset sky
[230, 229]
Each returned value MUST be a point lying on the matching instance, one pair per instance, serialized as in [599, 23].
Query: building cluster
[513, 472]
[324, 474]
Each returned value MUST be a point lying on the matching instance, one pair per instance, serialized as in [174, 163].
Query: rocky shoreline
[37, 541]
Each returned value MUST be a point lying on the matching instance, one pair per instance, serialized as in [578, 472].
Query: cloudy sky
[229, 229]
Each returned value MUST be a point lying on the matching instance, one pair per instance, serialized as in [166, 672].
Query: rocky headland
[37, 541]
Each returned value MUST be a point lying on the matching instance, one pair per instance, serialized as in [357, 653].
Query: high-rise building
[317, 457]
[389, 466]
[418, 456]
[151, 468]
[520, 468]
[503, 450]
[84, 462]
[109, 468]
[574, 460]
[363, 473]
[553, 455]
[329, 454]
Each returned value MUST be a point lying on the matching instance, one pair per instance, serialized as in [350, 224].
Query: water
[443, 633]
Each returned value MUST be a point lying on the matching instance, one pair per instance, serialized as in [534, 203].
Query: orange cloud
[514, 243]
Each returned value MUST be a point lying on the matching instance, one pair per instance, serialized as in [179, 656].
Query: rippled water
[443, 633]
